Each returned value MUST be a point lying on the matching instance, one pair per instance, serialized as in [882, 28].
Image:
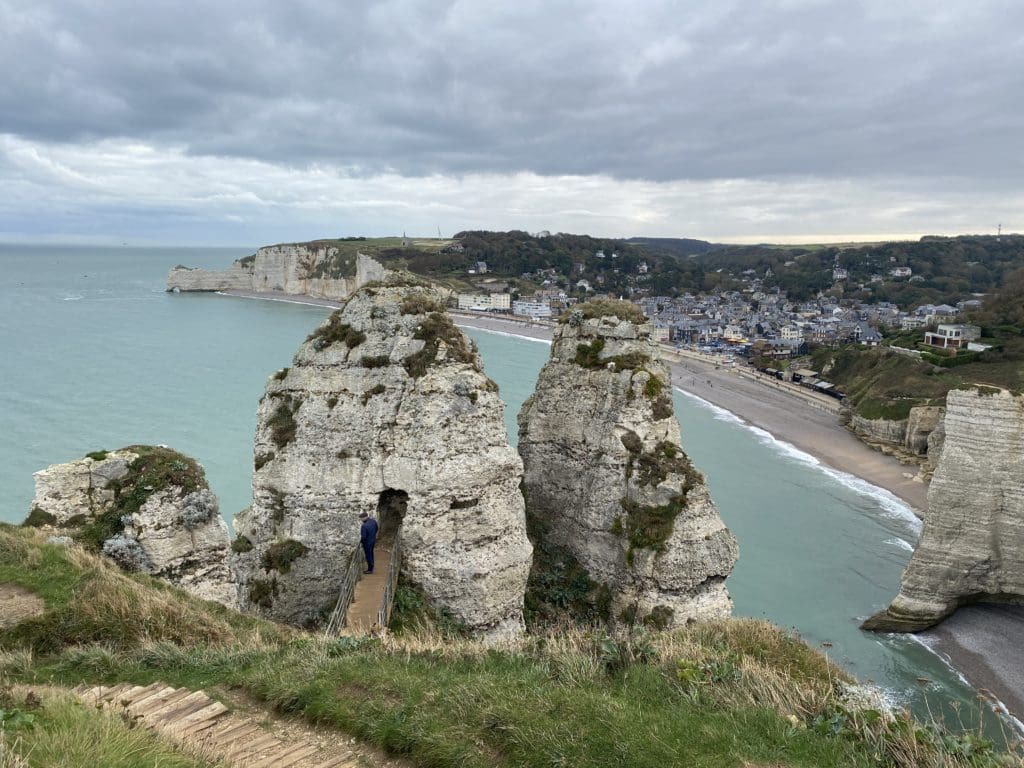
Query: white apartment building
[485, 302]
[531, 308]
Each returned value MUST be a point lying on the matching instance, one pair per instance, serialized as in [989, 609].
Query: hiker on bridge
[368, 537]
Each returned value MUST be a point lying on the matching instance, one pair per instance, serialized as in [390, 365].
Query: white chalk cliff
[386, 410]
[972, 543]
[316, 269]
[606, 476]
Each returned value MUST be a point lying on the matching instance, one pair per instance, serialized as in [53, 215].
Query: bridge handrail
[387, 600]
[353, 572]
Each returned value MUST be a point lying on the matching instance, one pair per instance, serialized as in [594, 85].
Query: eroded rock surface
[147, 508]
[386, 410]
[606, 477]
[315, 269]
[972, 544]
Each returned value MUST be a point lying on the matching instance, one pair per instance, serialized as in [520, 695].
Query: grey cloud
[655, 90]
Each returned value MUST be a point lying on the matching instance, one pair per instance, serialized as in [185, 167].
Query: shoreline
[787, 417]
[977, 641]
[973, 642]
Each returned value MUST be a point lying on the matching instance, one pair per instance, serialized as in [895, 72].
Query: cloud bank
[706, 118]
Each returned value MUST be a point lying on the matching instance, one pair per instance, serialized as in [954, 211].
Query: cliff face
[148, 509]
[386, 410]
[916, 439]
[972, 544]
[607, 479]
[311, 269]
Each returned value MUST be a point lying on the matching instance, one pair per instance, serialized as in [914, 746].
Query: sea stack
[972, 543]
[386, 410]
[606, 477]
[148, 508]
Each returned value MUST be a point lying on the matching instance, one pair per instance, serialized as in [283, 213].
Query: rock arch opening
[391, 507]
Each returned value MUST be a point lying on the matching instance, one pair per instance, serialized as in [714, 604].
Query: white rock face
[176, 534]
[368, 412]
[69, 491]
[916, 439]
[606, 476]
[972, 544]
[309, 269]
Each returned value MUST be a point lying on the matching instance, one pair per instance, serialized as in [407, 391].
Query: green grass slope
[731, 693]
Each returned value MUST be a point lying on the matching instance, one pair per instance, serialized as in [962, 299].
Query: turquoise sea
[94, 354]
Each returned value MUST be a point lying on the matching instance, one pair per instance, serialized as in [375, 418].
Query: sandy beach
[787, 417]
[985, 643]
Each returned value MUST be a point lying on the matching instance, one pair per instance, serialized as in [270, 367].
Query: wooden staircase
[195, 721]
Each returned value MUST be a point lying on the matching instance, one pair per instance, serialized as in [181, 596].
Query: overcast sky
[246, 122]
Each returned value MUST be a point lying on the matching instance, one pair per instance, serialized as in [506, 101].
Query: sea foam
[891, 505]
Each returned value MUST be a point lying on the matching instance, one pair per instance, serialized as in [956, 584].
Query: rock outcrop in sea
[607, 480]
[148, 508]
[972, 544]
[386, 410]
[318, 269]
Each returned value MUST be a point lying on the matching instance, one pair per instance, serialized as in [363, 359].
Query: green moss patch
[154, 470]
[97, 455]
[649, 527]
[662, 408]
[262, 592]
[654, 468]
[334, 331]
[39, 517]
[420, 304]
[436, 329]
[597, 308]
[260, 460]
[282, 421]
[559, 586]
[375, 361]
[280, 555]
[589, 356]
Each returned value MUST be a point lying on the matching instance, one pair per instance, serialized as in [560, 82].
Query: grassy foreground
[55, 730]
[730, 693]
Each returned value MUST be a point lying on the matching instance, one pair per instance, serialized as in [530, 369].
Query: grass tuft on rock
[437, 329]
[280, 555]
[421, 304]
[598, 308]
[334, 331]
[282, 421]
[153, 470]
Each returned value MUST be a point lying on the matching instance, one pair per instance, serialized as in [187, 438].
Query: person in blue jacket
[368, 537]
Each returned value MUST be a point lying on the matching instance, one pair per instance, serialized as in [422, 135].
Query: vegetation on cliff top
[437, 329]
[754, 694]
[154, 470]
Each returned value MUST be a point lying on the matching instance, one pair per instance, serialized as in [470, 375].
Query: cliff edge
[972, 544]
[317, 269]
[607, 480]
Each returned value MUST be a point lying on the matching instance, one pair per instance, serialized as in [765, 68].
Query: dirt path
[17, 604]
[239, 736]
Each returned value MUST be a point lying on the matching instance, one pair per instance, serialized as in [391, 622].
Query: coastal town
[754, 322]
